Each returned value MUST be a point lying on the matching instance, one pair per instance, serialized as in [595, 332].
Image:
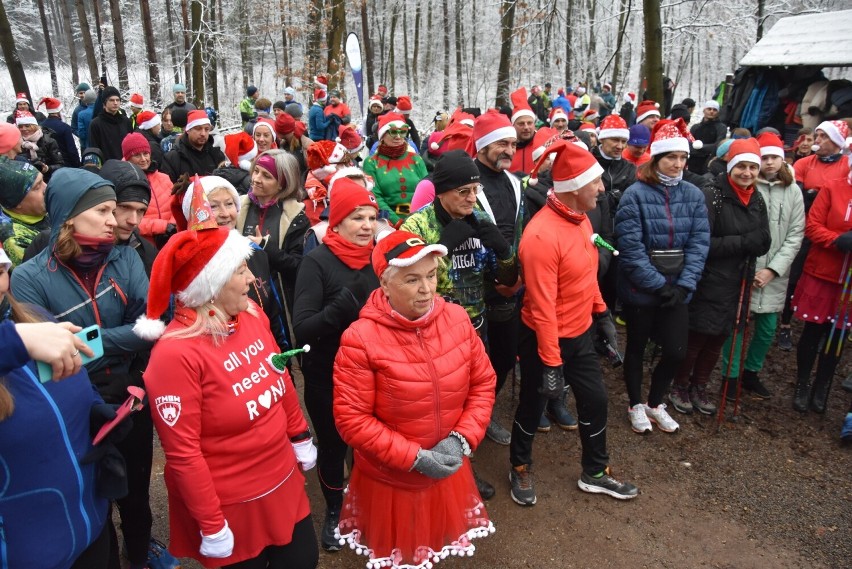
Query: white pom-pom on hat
[697, 145]
[149, 328]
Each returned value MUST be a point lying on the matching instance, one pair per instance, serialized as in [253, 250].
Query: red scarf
[563, 210]
[392, 151]
[356, 257]
[743, 193]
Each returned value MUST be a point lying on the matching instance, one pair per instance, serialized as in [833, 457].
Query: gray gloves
[552, 382]
[451, 446]
[434, 464]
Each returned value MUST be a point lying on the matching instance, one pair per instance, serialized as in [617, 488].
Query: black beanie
[131, 184]
[179, 117]
[454, 169]
[110, 92]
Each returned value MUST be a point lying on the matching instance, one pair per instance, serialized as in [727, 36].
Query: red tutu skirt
[817, 300]
[256, 524]
[412, 529]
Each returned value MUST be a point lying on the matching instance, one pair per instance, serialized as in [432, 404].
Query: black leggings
[812, 344]
[301, 553]
[795, 273]
[503, 346]
[97, 555]
[331, 449]
[670, 327]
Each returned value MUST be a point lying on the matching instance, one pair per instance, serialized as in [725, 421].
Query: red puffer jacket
[400, 385]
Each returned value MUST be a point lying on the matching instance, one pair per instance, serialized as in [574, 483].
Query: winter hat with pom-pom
[146, 120]
[770, 144]
[240, 149]
[647, 109]
[323, 156]
[350, 139]
[488, 128]
[51, 105]
[455, 136]
[838, 132]
[613, 126]
[520, 105]
[672, 136]
[743, 150]
[573, 167]
[403, 105]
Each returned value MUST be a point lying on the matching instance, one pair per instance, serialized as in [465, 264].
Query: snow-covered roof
[813, 39]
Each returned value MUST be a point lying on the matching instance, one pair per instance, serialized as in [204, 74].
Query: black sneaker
[521, 481]
[606, 484]
[329, 541]
[486, 490]
[785, 339]
[753, 385]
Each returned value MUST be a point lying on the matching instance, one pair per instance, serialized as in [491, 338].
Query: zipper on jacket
[671, 221]
[435, 390]
[92, 297]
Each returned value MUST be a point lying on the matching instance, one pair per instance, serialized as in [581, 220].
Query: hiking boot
[846, 431]
[638, 419]
[497, 433]
[819, 395]
[522, 488]
[785, 338]
[700, 401]
[801, 395]
[730, 387]
[559, 414]
[543, 424]
[753, 385]
[606, 484]
[159, 556]
[329, 542]
[660, 417]
[486, 490]
[679, 398]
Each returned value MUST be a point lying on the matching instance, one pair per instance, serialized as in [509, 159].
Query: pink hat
[9, 137]
[133, 144]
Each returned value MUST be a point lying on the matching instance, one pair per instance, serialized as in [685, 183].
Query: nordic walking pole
[841, 302]
[721, 414]
[845, 313]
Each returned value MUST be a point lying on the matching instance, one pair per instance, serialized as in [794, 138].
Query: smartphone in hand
[92, 337]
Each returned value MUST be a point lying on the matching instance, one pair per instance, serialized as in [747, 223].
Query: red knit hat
[350, 139]
[196, 118]
[301, 129]
[137, 100]
[146, 120]
[743, 150]
[403, 104]
[284, 124]
[240, 149]
[24, 117]
[51, 105]
[490, 127]
[672, 136]
[613, 126]
[402, 249]
[389, 120]
[323, 156]
[770, 144]
[646, 109]
[557, 113]
[133, 144]
[573, 167]
[348, 195]
[520, 106]
[838, 132]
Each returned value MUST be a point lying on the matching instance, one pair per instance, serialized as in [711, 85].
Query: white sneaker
[639, 420]
[661, 417]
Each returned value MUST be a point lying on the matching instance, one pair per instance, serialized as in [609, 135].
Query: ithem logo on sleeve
[168, 406]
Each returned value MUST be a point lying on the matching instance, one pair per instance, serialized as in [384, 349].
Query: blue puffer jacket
[47, 282]
[659, 217]
[49, 513]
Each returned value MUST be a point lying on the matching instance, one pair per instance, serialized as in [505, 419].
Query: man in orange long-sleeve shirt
[560, 264]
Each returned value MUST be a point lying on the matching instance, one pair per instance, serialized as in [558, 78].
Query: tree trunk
[445, 12]
[653, 49]
[223, 61]
[96, 8]
[187, 48]
[118, 35]
[459, 50]
[391, 44]
[49, 48]
[623, 18]
[760, 18]
[405, 50]
[88, 46]
[151, 51]
[414, 56]
[569, 39]
[197, 59]
[507, 28]
[211, 49]
[368, 47]
[245, 61]
[172, 43]
[336, 33]
[10, 54]
[285, 41]
[312, 48]
[429, 43]
[69, 40]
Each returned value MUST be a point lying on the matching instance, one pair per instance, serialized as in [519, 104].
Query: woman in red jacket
[413, 392]
[230, 425]
[158, 224]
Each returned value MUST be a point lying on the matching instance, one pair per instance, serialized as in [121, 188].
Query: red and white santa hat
[613, 126]
[489, 127]
[196, 118]
[323, 157]
[402, 249]
[403, 104]
[590, 115]
[320, 95]
[21, 98]
[520, 105]
[137, 101]
[557, 113]
[838, 132]
[350, 139]
[543, 138]
[321, 81]
[672, 136]
[630, 97]
[146, 120]
[350, 172]
[390, 120]
[375, 101]
[647, 109]
[264, 122]
[770, 144]
[240, 149]
[743, 150]
[24, 117]
[573, 167]
[51, 105]
[456, 136]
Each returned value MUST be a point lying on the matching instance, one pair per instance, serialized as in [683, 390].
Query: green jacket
[17, 232]
[247, 111]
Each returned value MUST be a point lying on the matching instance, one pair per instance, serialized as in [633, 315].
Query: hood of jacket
[378, 308]
[124, 175]
[66, 187]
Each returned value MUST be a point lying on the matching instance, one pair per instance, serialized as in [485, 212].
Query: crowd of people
[417, 268]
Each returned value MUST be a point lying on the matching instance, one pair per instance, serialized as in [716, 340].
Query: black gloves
[134, 309]
[171, 229]
[455, 233]
[552, 382]
[606, 327]
[678, 296]
[111, 481]
[344, 309]
[491, 237]
[752, 242]
[844, 242]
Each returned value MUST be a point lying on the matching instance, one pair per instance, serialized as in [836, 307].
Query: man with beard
[194, 152]
[523, 119]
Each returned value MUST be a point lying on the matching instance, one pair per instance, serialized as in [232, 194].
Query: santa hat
[557, 113]
[194, 266]
[613, 126]
[321, 81]
[350, 172]
[320, 95]
[348, 196]
[520, 106]
[323, 156]
[137, 101]
[456, 136]
[146, 120]
[200, 189]
[264, 123]
[607, 86]
[672, 136]
[630, 97]
[542, 139]
[770, 144]
[743, 150]
[838, 132]
[390, 120]
[573, 167]
[402, 249]
[24, 117]
[51, 105]
[588, 126]
[590, 115]
[350, 139]
[382, 91]
[21, 98]
[646, 109]
[403, 104]
[375, 100]
[196, 118]
[490, 127]
[240, 149]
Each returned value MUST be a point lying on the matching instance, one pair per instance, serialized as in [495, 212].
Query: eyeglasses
[464, 192]
[401, 132]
